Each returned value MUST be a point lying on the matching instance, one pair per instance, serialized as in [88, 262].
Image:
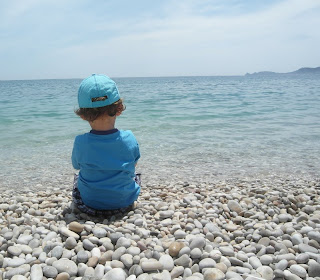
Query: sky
[46, 39]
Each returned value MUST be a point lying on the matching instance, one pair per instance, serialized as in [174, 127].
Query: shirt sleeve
[74, 157]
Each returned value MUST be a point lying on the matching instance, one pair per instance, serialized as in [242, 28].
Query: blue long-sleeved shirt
[107, 168]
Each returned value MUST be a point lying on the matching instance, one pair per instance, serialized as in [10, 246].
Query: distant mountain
[304, 70]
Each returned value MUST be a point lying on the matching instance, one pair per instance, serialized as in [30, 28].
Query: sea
[188, 128]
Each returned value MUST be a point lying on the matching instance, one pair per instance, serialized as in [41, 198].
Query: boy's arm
[74, 160]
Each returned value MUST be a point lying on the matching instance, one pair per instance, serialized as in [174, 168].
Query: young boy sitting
[106, 156]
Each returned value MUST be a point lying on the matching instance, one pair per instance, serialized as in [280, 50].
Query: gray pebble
[99, 232]
[167, 262]
[57, 252]
[36, 272]
[151, 266]
[82, 256]
[14, 250]
[314, 268]
[197, 242]
[65, 265]
[184, 261]
[50, 271]
[115, 274]
[206, 263]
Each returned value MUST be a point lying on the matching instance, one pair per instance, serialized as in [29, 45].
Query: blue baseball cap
[97, 91]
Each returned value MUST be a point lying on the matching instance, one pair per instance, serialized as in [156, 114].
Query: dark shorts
[77, 200]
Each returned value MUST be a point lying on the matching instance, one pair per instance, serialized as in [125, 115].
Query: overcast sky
[123, 38]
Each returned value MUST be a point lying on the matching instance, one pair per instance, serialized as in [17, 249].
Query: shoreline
[220, 229]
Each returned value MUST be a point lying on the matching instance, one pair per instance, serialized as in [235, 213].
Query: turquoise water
[186, 126]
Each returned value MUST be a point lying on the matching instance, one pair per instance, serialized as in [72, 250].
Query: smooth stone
[51, 235]
[175, 248]
[303, 248]
[298, 270]
[302, 258]
[296, 239]
[82, 256]
[13, 262]
[57, 252]
[36, 272]
[26, 249]
[283, 218]
[65, 265]
[266, 259]
[166, 214]
[266, 272]
[95, 252]
[34, 243]
[222, 267]
[167, 262]
[180, 234]
[255, 262]
[50, 271]
[242, 256]
[87, 244]
[177, 271]
[127, 260]
[184, 261]
[314, 235]
[192, 277]
[63, 276]
[197, 242]
[15, 271]
[234, 206]
[76, 227]
[227, 251]
[123, 242]
[144, 276]
[99, 271]
[290, 276]
[24, 239]
[235, 262]
[148, 266]
[70, 243]
[314, 268]
[214, 274]
[99, 232]
[206, 263]
[185, 250]
[92, 261]
[118, 253]
[115, 274]
[195, 253]
[231, 227]
[282, 265]
[234, 276]
[14, 250]
[288, 257]
[68, 233]
[18, 277]
[265, 241]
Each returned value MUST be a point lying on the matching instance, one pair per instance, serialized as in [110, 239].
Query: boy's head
[98, 95]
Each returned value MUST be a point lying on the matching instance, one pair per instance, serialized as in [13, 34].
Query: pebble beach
[197, 230]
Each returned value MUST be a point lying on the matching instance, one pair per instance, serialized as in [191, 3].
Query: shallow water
[186, 126]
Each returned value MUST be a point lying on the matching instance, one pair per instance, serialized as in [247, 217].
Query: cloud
[176, 38]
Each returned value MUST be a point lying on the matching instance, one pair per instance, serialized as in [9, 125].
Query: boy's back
[107, 166]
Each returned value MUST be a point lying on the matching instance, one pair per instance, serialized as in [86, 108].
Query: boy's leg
[77, 200]
[137, 178]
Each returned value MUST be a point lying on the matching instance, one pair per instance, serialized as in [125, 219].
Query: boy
[106, 156]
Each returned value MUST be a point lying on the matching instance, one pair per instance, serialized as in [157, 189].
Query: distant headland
[304, 70]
